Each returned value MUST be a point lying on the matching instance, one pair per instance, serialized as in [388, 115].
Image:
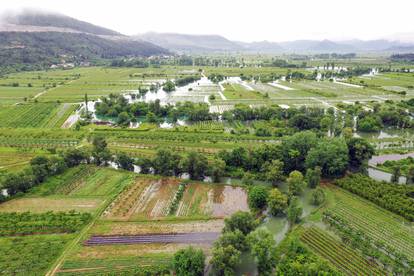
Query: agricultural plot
[341, 256]
[145, 199]
[125, 264]
[216, 201]
[30, 255]
[12, 159]
[99, 81]
[12, 95]
[48, 204]
[27, 115]
[152, 199]
[237, 91]
[377, 224]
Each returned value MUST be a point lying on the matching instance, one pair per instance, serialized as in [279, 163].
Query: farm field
[30, 254]
[153, 199]
[378, 224]
[341, 256]
[237, 91]
[13, 159]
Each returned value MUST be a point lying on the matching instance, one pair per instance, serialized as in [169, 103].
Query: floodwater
[385, 176]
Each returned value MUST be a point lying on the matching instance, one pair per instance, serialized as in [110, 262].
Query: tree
[258, 197]
[313, 177]
[274, 171]
[295, 183]
[123, 119]
[74, 157]
[410, 175]
[294, 211]
[295, 149]
[168, 86]
[224, 260]
[125, 162]
[100, 152]
[243, 221]
[166, 163]
[359, 151]
[217, 168]
[248, 179]
[396, 173]
[263, 248]
[277, 202]
[331, 155]
[189, 262]
[195, 165]
[145, 165]
[235, 238]
[317, 196]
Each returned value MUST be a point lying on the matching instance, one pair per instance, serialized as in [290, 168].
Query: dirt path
[197, 237]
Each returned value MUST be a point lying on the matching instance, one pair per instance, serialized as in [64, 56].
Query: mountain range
[45, 38]
[185, 43]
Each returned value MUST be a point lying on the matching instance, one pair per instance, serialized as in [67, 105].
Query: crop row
[31, 223]
[37, 143]
[30, 115]
[344, 258]
[373, 248]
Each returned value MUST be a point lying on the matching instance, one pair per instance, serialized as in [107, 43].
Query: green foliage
[360, 151]
[318, 196]
[195, 165]
[331, 155]
[224, 260]
[263, 248]
[295, 148]
[217, 167]
[30, 255]
[300, 261]
[294, 211]
[274, 171]
[189, 262]
[277, 202]
[125, 162]
[296, 183]
[168, 86]
[242, 221]
[12, 224]
[234, 238]
[258, 197]
[395, 198]
[313, 177]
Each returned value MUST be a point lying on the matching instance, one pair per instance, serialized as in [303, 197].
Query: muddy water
[385, 176]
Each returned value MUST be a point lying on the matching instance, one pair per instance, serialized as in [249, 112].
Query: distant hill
[45, 19]
[262, 47]
[191, 43]
[37, 40]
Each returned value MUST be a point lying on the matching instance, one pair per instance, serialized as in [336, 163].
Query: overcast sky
[245, 20]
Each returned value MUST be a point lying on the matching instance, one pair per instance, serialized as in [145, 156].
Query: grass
[236, 91]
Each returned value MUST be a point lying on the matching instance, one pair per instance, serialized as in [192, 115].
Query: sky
[243, 20]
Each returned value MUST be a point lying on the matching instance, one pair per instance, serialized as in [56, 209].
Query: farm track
[199, 237]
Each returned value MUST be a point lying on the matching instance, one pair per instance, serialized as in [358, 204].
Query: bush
[258, 197]
[189, 262]
[318, 197]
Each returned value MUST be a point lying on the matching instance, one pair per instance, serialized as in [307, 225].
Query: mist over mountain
[187, 43]
[191, 43]
[40, 39]
[54, 20]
